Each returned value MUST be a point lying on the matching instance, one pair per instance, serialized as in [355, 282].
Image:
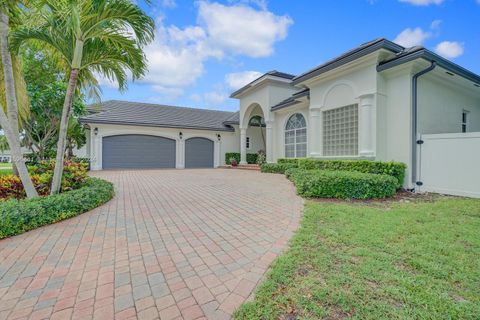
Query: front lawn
[388, 260]
[5, 165]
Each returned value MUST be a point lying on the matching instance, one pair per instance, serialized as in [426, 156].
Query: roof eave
[284, 105]
[87, 121]
[356, 54]
[430, 56]
[254, 83]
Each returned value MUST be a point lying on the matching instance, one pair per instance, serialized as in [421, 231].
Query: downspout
[415, 140]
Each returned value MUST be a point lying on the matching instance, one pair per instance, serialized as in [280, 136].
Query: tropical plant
[91, 37]
[3, 143]
[46, 89]
[12, 93]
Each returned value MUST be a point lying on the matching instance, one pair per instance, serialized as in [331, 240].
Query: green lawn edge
[417, 260]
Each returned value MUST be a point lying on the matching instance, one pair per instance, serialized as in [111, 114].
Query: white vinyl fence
[450, 164]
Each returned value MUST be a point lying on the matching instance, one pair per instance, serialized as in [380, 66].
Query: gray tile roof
[290, 101]
[273, 73]
[155, 115]
[349, 56]
[234, 119]
[421, 52]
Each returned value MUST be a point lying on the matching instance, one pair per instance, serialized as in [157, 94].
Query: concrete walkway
[172, 244]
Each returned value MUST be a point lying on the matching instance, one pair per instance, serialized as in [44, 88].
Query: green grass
[5, 171]
[5, 165]
[417, 260]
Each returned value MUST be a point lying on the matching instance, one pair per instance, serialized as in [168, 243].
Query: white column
[269, 141]
[97, 152]
[93, 151]
[243, 145]
[181, 154]
[315, 132]
[367, 126]
[216, 153]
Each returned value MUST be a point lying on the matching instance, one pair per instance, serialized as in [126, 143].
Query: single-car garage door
[198, 153]
[135, 151]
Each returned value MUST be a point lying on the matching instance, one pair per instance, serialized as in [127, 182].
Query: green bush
[394, 169]
[251, 157]
[277, 167]
[18, 216]
[288, 160]
[342, 184]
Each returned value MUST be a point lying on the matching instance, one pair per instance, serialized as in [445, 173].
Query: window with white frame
[247, 143]
[340, 131]
[296, 137]
[465, 121]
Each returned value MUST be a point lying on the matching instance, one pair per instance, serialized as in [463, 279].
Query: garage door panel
[199, 153]
[138, 151]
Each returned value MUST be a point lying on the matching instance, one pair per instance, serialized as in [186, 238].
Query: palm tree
[9, 120]
[91, 37]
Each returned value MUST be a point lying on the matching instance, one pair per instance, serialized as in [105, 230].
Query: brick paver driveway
[172, 244]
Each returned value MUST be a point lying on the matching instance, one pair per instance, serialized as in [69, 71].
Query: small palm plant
[89, 37]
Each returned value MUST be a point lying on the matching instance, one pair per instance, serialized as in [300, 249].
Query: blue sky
[204, 50]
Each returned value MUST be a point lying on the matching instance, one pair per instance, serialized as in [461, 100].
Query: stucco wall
[229, 141]
[440, 107]
[396, 117]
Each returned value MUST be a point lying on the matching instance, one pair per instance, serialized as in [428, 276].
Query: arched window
[296, 137]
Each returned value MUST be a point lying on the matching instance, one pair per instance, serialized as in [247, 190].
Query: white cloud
[412, 37]
[423, 2]
[215, 97]
[169, 4]
[240, 29]
[436, 24]
[177, 56]
[237, 80]
[449, 49]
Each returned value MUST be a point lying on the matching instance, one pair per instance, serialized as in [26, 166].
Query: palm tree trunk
[12, 109]
[62, 134]
[17, 156]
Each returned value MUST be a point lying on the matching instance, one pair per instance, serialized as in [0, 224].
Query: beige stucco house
[379, 101]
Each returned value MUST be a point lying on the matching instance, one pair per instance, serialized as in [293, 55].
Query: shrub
[342, 184]
[276, 167]
[251, 157]
[288, 160]
[74, 176]
[394, 169]
[20, 216]
[233, 162]
[261, 158]
[74, 173]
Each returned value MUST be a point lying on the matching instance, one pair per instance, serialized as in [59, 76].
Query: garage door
[198, 153]
[135, 151]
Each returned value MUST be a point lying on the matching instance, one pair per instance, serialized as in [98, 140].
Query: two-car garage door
[135, 151]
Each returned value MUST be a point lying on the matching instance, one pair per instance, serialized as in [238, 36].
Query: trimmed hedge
[251, 157]
[394, 169]
[341, 184]
[288, 160]
[277, 167]
[20, 216]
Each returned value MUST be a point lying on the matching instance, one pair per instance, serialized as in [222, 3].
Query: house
[379, 101]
